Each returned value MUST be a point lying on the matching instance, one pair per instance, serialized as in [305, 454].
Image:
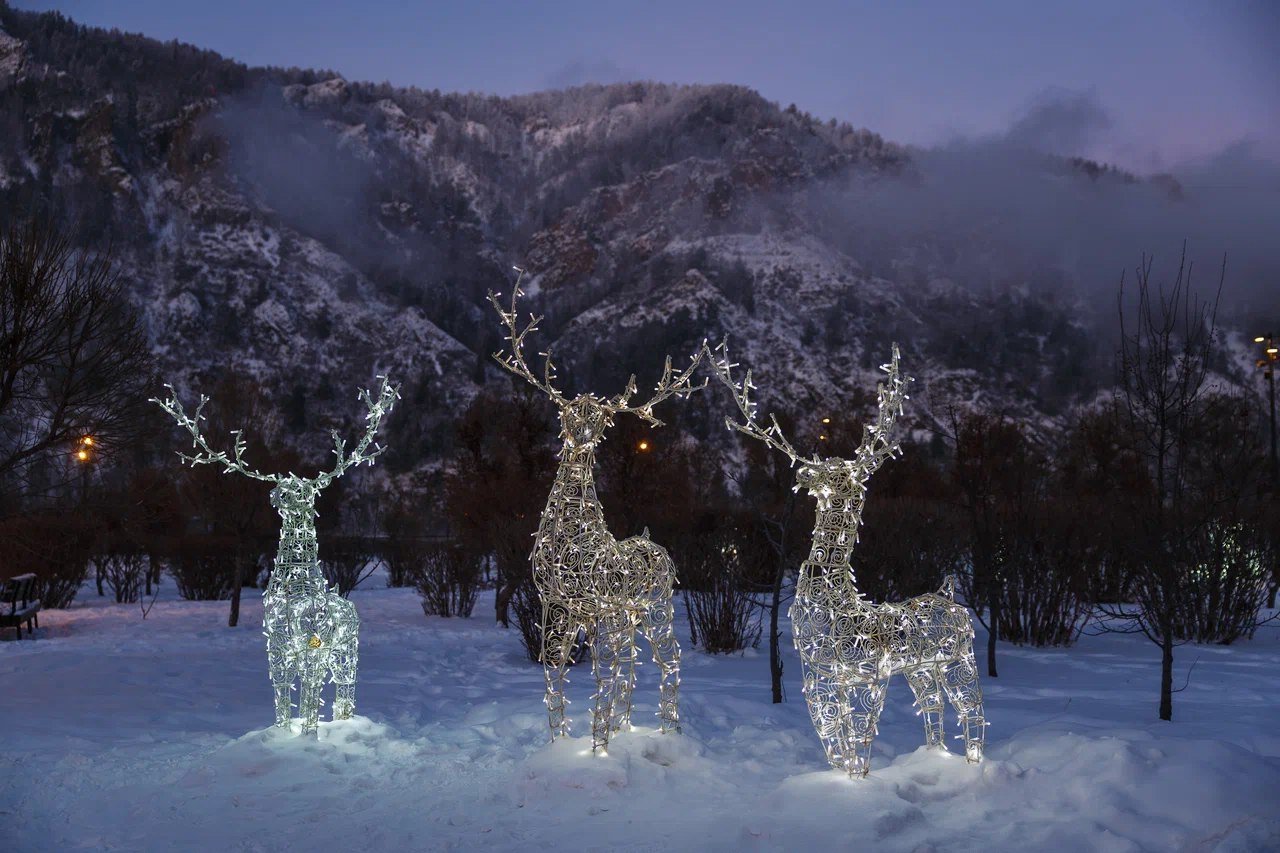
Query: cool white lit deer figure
[850, 647]
[587, 579]
[312, 632]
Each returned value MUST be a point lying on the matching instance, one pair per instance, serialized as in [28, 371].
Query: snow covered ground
[125, 734]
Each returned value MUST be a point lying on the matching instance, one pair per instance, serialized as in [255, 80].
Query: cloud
[582, 71]
[1060, 121]
[296, 165]
[1008, 209]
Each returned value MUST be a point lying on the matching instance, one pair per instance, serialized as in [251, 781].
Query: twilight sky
[1169, 81]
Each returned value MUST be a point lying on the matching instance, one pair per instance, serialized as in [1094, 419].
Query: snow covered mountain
[311, 231]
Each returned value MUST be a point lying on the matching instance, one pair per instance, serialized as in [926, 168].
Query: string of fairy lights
[312, 632]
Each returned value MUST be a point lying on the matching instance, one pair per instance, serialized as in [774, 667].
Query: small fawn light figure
[850, 647]
[588, 580]
[312, 632]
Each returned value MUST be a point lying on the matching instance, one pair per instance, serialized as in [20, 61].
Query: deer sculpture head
[293, 496]
[821, 477]
[586, 418]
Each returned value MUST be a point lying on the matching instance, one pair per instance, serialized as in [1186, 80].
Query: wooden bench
[17, 605]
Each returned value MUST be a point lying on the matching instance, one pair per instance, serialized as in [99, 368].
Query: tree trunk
[1166, 676]
[236, 583]
[502, 602]
[775, 652]
[993, 627]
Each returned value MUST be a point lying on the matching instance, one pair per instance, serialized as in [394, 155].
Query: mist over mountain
[311, 231]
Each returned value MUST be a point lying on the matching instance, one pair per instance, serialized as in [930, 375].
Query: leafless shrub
[55, 547]
[123, 567]
[348, 561]
[447, 578]
[204, 567]
[718, 572]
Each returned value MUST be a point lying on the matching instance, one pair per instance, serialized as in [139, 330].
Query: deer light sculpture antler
[312, 632]
[849, 647]
[587, 579]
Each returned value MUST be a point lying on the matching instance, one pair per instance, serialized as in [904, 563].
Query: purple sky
[1169, 81]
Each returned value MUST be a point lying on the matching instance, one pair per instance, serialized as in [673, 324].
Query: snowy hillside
[309, 231]
[125, 734]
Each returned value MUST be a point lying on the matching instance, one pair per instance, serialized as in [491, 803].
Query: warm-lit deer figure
[312, 632]
[587, 579]
[850, 647]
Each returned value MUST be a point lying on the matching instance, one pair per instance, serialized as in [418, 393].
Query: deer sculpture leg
[284, 701]
[311, 676]
[829, 709]
[960, 681]
[558, 635]
[344, 657]
[605, 669]
[926, 684]
[621, 651]
[864, 704]
[282, 674]
[659, 630]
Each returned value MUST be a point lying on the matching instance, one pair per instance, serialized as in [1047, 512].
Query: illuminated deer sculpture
[587, 579]
[850, 647]
[312, 632]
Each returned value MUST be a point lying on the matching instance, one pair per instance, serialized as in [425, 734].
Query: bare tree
[74, 360]
[1165, 348]
[236, 509]
[492, 493]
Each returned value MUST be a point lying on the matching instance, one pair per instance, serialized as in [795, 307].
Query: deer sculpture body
[586, 579]
[850, 647]
[312, 632]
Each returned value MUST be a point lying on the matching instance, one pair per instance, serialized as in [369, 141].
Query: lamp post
[1270, 355]
[85, 455]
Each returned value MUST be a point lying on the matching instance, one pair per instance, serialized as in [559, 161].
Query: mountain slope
[311, 231]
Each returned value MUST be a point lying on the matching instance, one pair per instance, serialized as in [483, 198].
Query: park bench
[17, 605]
